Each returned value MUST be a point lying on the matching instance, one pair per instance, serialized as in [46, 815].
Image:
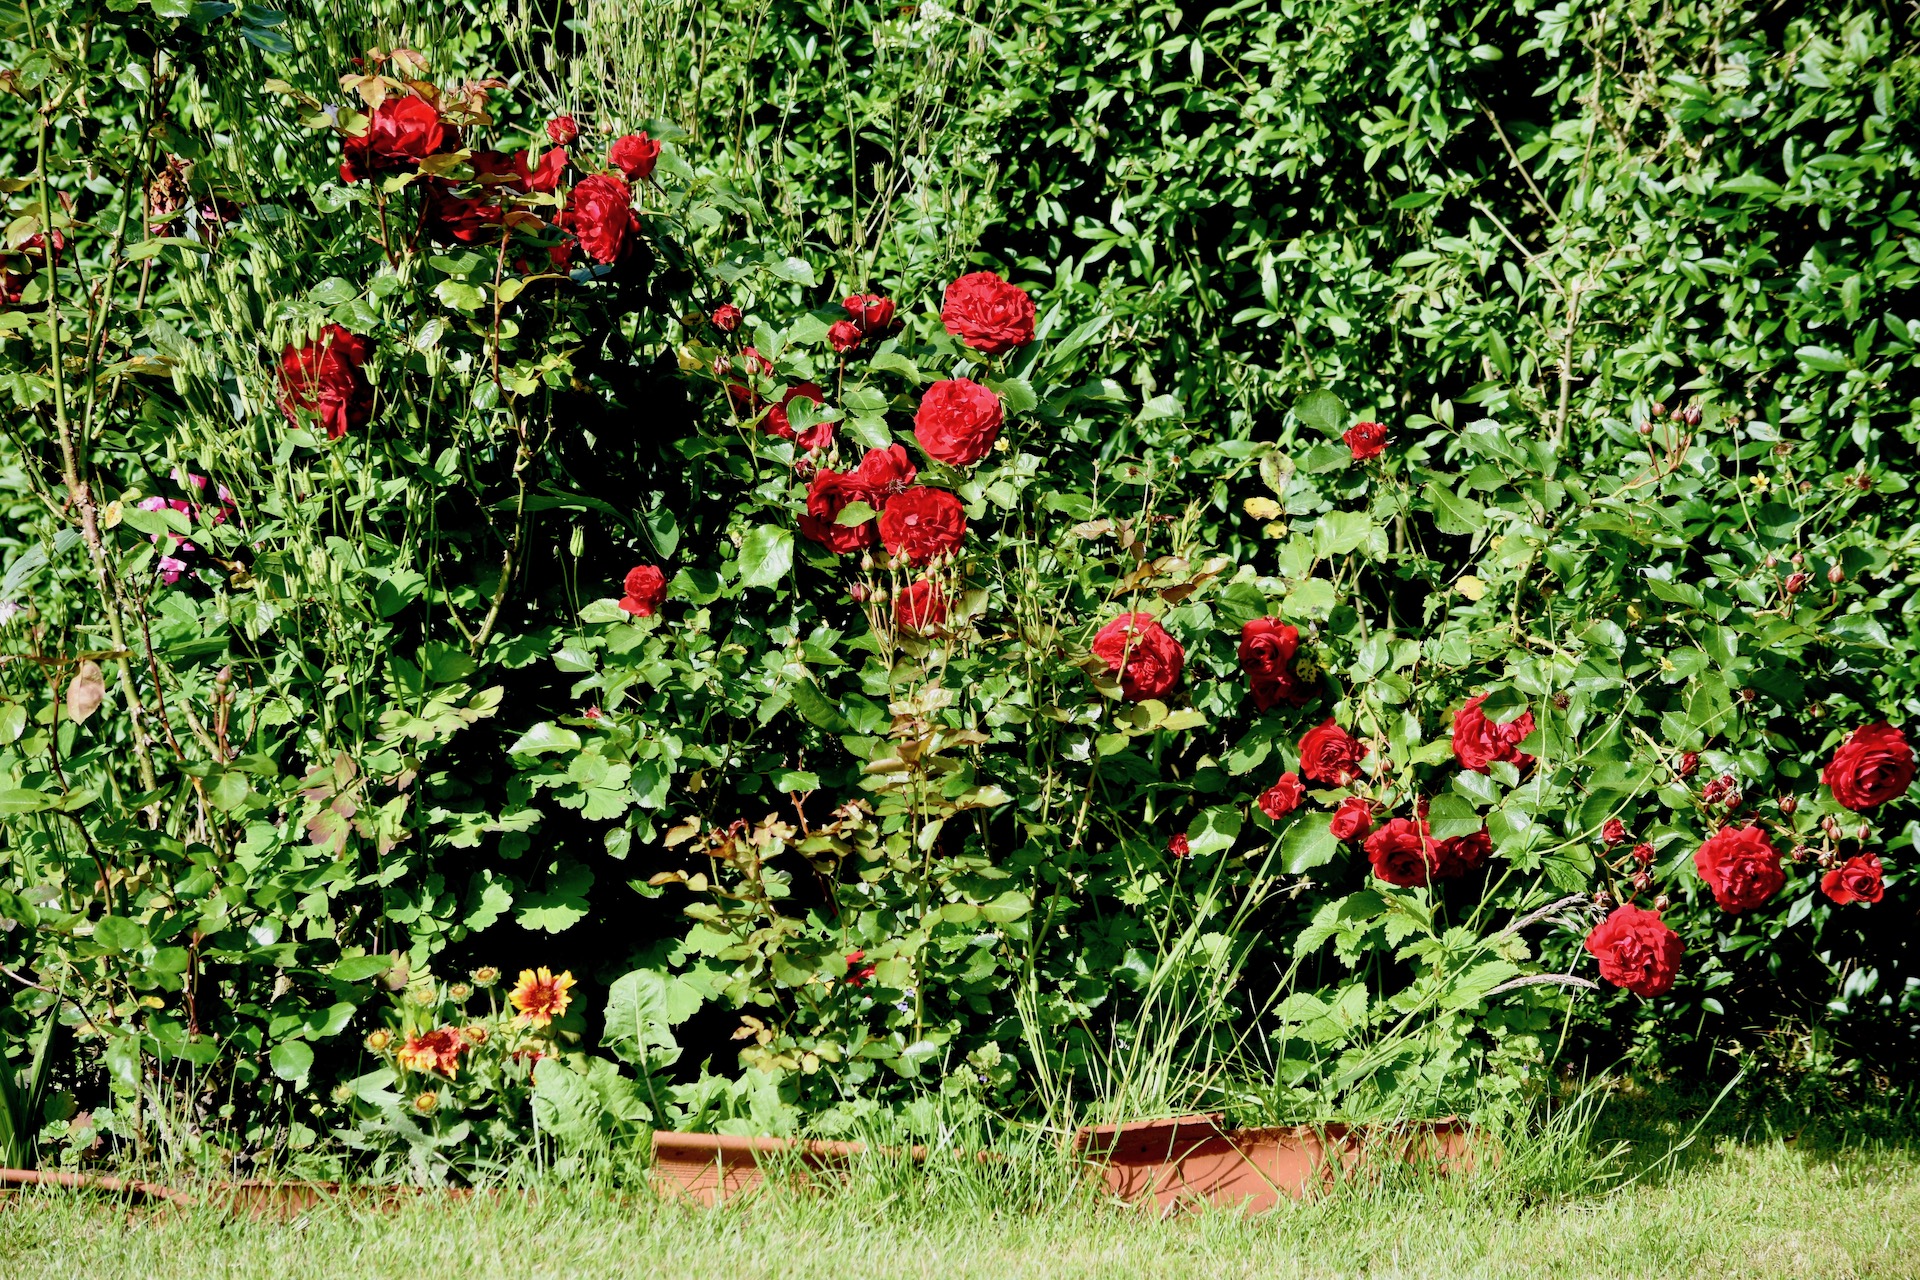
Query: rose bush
[909, 760]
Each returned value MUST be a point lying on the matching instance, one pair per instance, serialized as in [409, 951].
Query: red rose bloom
[1478, 741]
[1740, 866]
[958, 421]
[1858, 879]
[1366, 440]
[1462, 854]
[401, 133]
[645, 587]
[600, 212]
[545, 176]
[634, 155]
[324, 376]
[1148, 659]
[1178, 846]
[561, 130]
[1403, 852]
[921, 606]
[726, 317]
[1636, 950]
[1267, 649]
[462, 218]
[1872, 766]
[1613, 832]
[816, 436]
[845, 335]
[870, 313]
[1352, 820]
[884, 474]
[987, 313]
[1330, 754]
[829, 495]
[922, 523]
[1283, 797]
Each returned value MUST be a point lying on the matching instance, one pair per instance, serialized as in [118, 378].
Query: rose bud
[1659, 409]
[1772, 561]
[1689, 762]
[1798, 559]
[1642, 881]
[1643, 853]
[1693, 416]
[1646, 428]
[562, 130]
[1602, 899]
[1796, 583]
[1660, 903]
[1788, 804]
[845, 335]
[1836, 575]
[1862, 833]
[1799, 853]
[1613, 833]
[726, 317]
[1830, 825]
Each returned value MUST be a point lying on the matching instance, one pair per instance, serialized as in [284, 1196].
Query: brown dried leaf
[85, 692]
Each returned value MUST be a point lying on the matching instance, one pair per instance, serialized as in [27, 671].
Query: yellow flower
[486, 975]
[426, 1102]
[437, 1050]
[379, 1040]
[540, 997]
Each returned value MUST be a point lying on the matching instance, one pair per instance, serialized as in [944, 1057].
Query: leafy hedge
[427, 568]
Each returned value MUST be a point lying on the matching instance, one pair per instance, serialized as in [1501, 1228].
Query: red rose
[324, 376]
[1330, 754]
[1148, 659]
[1855, 880]
[987, 313]
[884, 474]
[462, 218]
[1352, 820]
[1267, 649]
[921, 606]
[845, 335]
[1178, 846]
[1403, 852]
[634, 155]
[1613, 832]
[958, 421]
[1478, 741]
[561, 130]
[645, 587]
[600, 212]
[726, 317]
[545, 176]
[829, 495]
[816, 436]
[401, 133]
[1871, 767]
[922, 523]
[1740, 866]
[1636, 950]
[1366, 440]
[870, 313]
[1462, 854]
[1283, 797]
[1643, 853]
[499, 168]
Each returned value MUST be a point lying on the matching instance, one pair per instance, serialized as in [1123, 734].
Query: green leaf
[1453, 513]
[117, 933]
[360, 968]
[1215, 831]
[1323, 411]
[291, 1060]
[1308, 843]
[545, 737]
[766, 556]
[1451, 815]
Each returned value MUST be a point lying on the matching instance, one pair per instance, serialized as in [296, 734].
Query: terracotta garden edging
[709, 1168]
[1192, 1160]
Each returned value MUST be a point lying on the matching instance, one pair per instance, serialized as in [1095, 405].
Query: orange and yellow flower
[438, 1050]
[540, 997]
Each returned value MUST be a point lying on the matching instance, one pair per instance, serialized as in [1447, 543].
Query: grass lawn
[1728, 1206]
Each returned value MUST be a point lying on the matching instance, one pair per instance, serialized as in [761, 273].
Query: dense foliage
[1434, 477]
